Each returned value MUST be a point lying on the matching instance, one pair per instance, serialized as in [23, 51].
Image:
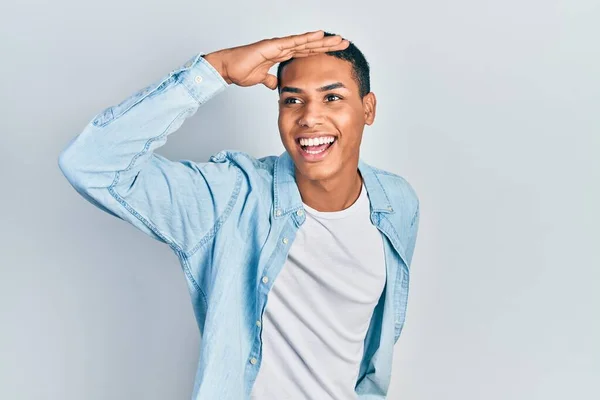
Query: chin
[315, 172]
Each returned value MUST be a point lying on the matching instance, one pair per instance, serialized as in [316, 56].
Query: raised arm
[112, 163]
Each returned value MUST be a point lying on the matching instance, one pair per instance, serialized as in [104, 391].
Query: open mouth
[316, 152]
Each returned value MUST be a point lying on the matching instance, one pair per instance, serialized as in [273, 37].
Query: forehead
[315, 71]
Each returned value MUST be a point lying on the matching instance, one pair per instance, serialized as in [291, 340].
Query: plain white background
[489, 109]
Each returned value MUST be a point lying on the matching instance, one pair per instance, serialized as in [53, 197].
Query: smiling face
[319, 98]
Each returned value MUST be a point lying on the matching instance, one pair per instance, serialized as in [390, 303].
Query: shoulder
[244, 161]
[256, 172]
[406, 210]
[400, 192]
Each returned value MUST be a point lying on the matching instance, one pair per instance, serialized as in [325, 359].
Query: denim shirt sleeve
[412, 238]
[112, 163]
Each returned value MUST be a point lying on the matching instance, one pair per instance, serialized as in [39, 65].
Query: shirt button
[285, 240]
[265, 279]
[278, 213]
[198, 79]
[299, 213]
[253, 361]
[258, 323]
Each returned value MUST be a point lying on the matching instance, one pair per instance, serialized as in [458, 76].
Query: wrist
[216, 59]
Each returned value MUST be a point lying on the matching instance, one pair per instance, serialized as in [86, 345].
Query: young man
[297, 264]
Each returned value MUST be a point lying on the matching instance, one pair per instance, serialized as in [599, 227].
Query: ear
[369, 107]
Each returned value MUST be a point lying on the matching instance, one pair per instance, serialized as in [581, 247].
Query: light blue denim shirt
[231, 222]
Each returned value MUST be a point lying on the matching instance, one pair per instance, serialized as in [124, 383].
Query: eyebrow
[325, 88]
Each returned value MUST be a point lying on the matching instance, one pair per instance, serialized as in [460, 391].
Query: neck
[334, 194]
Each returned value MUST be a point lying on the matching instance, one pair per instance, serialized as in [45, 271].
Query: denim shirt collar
[287, 196]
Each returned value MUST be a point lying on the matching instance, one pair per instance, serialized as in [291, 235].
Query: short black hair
[360, 66]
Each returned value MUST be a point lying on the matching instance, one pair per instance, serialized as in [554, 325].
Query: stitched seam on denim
[111, 189]
[276, 173]
[397, 305]
[414, 218]
[146, 222]
[118, 197]
[191, 92]
[137, 101]
[223, 217]
[186, 268]
[202, 99]
[193, 63]
[172, 244]
[383, 189]
[398, 178]
[393, 229]
[254, 162]
[404, 300]
[147, 146]
[409, 188]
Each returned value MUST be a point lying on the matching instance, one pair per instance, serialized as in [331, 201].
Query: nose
[311, 116]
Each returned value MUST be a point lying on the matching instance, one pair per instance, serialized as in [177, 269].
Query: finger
[270, 81]
[326, 42]
[289, 42]
[304, 54]
[320, 50]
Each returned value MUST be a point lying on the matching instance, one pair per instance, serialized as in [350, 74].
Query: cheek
[349, 121]
[285, 124]
[282, 123]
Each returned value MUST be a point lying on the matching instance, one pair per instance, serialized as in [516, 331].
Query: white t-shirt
[320, 306]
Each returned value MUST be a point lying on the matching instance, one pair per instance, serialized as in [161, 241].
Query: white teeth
[316, 141]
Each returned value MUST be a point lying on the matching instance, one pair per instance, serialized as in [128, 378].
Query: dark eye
[290, 100]
[332, 97]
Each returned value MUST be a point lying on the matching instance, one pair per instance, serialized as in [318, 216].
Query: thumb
[270, 81]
